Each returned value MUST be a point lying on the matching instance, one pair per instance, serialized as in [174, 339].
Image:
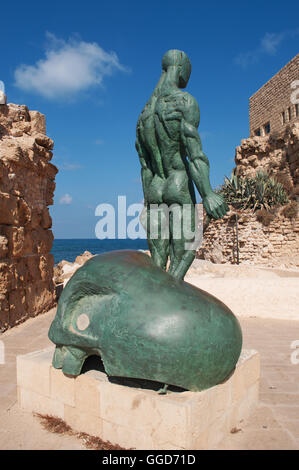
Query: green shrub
[257, 192]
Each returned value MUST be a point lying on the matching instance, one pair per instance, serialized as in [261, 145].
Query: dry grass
[58, 426]
[96, 443]
[54, 424]
[291, 210]
[235, 430]
[264, 216]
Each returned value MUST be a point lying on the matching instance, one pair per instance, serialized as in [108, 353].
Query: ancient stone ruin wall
[26, 190]
[276, 155]
[275, 245]
[278, 243]
[273, 99]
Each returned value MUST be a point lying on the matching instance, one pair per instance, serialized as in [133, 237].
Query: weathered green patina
[144, 324]
[166, 135]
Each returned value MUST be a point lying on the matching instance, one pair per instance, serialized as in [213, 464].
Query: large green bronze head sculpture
[144, 324]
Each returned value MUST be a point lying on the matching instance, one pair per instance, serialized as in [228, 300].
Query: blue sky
[90, 67]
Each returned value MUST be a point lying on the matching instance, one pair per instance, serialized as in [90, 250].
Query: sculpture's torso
[159, 128]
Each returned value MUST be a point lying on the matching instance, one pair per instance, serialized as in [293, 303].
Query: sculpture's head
[179, 60]
[144, 324]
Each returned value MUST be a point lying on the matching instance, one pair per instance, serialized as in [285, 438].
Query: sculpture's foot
[70, 359]
[163, 390]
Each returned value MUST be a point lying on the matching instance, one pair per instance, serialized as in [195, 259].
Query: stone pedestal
[134, 417]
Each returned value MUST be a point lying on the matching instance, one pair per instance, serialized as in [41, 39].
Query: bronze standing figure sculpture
[145, 322]
[171, 156]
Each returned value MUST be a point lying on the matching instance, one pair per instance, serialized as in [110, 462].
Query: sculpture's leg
[158, 245]
[184, 265]
[159, 252]
[182, 228]
[70, 359]
[176, 238]
[163, 390]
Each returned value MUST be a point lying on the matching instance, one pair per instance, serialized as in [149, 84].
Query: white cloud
[268, 45]
[68, 68]
[270, 42]
[70, 166]
[246, 58]
[65, 199]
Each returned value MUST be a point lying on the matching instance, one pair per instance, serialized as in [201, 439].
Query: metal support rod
[237, 239]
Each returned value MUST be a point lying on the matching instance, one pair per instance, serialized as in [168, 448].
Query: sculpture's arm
[146, 173]
[198, 162]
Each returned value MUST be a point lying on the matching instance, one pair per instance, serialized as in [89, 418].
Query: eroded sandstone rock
[275, 244]
[278, 155]
[64, 270]
[27, 183]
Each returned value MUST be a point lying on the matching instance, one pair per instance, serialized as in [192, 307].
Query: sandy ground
[20, 429]
[250, 291]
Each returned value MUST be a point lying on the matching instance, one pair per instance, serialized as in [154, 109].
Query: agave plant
[254, 192]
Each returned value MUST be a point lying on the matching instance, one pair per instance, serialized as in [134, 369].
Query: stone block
[128, 438]
[62, 388]
[4, 312]
[39, 297]
[3, 246]
[83, 422]
[37, 403]
[161, 418]
[87, 393]
[138, 417]
[245, 376]
[241, 410]
[9, 209]
[17, 306]
[7, 277]
[38, 122]
[16, 239]
[33, 371]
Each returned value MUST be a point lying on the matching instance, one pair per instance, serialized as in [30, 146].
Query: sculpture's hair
[174, 57]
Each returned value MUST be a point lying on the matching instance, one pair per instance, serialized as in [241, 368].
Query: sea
[69, 249]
